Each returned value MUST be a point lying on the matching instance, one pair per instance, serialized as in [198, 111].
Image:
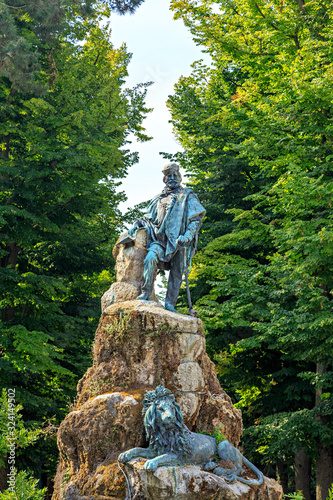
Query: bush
[25, 489]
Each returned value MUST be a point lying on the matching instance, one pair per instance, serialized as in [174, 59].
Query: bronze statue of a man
[172, 223]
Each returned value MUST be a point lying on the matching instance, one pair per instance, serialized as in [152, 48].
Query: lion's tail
[260, 475]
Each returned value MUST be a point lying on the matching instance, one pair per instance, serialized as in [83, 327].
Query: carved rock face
[129, 268]
[130, 257]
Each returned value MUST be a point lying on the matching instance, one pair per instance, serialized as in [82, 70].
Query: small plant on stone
[96, 387]
[72, 406]
[66, 478]
[119, 326]
[218, 435]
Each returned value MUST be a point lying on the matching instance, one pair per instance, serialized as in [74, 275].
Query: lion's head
[163, 421]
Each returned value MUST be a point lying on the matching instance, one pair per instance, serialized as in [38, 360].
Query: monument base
[139, 345]
[190, 482]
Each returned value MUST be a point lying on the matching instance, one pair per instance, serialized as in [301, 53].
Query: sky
[162, 51]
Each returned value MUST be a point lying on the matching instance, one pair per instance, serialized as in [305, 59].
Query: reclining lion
[172, 443]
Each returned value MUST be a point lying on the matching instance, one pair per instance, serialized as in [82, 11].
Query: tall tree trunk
[324, 471]
[3, 475]
[324, 463]
[302, 473]
[282, 476]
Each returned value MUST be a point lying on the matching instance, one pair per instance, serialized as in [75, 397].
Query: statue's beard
[170, 186]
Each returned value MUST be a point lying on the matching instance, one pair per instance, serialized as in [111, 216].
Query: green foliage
[295, 496]
[330, 494]
[119, 326]
[219, 436]
[26, 488]
[256, 129]
[124, 6]
[22, 437]
[66, 122]
[299, 495]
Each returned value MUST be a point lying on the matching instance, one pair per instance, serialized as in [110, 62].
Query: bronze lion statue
[172, 443]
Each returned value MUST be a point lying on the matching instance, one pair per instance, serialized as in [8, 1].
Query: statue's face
[165, 414]
[172, 180]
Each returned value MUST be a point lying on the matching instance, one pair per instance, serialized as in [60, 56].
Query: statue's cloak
[185, 207]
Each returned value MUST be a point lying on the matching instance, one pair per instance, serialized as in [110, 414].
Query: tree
[65, 124]
[271, 276]
[124, 6]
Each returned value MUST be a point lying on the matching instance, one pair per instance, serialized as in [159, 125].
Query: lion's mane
[163, 440]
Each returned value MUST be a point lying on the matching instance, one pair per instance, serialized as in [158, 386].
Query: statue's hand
[125, 457]
[182, 241]
[151, 465]
[138, 224]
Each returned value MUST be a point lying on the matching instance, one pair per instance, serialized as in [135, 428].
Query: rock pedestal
[190, 482]
[139, 345]
[129, 268]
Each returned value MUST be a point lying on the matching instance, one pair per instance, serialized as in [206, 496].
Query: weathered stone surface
[139, 345]
[129, 258]
[217, 413]
[192, 483]
[189, 377]
[89, 440]
[129, 268]
[119, 292]
[155, 316]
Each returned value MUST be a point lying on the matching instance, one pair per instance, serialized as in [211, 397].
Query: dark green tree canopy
[125, 6]
[258, 144]
[66, 118]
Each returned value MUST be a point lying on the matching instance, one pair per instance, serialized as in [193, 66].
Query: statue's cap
[170, 168]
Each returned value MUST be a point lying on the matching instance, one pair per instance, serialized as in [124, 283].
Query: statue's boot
[169, 307]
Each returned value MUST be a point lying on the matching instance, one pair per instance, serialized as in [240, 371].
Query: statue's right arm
[138, 224]
[134, 453]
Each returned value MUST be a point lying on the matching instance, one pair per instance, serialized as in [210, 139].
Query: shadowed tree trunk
[302, 473]
[324, 463]
[324, 471]
[282, 476]
[3, 475]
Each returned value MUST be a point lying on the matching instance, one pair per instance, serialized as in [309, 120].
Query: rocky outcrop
[190, 482]
[129, 268]
[138, 345]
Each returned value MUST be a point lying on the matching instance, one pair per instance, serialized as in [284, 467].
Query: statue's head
[163, 420]
[171, 175]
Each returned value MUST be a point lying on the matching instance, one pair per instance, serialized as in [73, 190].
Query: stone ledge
[156, 316]
[191, 483]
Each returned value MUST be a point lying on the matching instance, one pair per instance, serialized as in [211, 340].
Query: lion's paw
[151, 465]
[124, 457]
[210, 466]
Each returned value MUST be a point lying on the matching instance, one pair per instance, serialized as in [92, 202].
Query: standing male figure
[172, 223]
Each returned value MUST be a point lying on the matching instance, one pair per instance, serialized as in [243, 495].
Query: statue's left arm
[195, 213]
[190, 233]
